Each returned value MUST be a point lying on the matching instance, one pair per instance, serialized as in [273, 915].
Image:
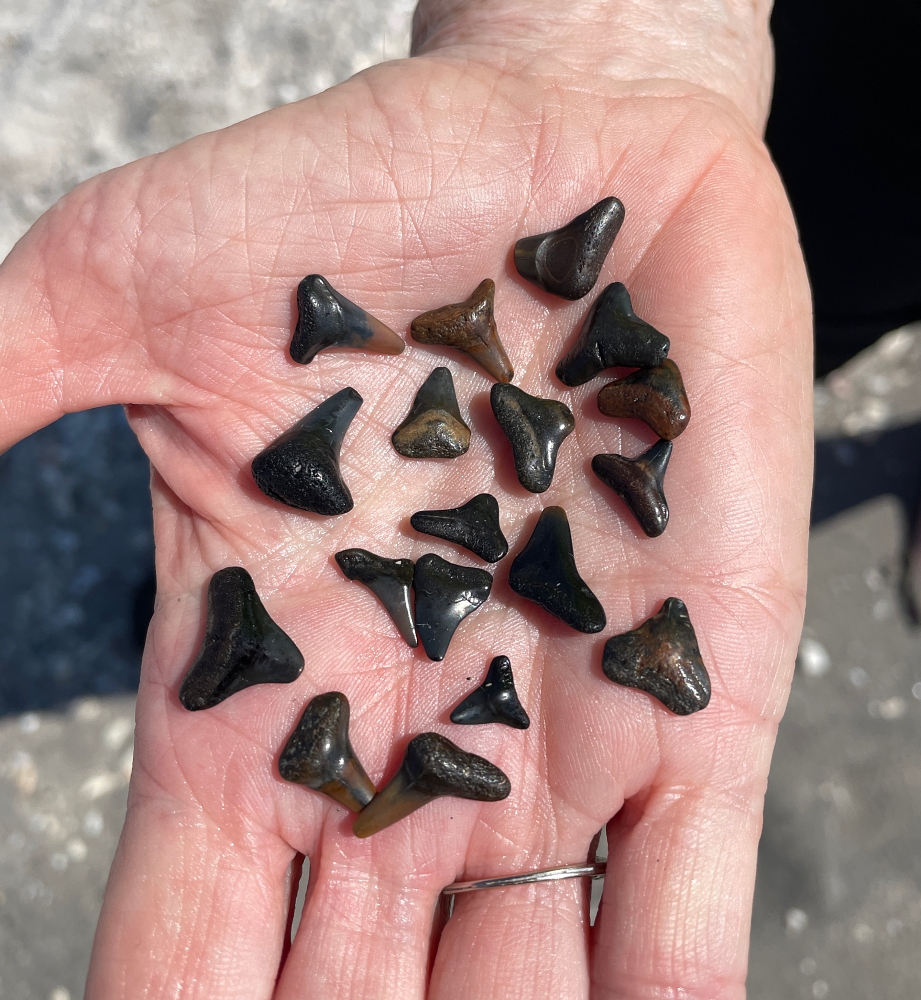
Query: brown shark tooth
[389, 580]
[434, 427]
[432, 767]
[319, 754]
[326, 318]
[242, 645]
[662, 658]
[470, 327]
[639, 483]
[654, 395]
[495, 700]
[612, 336]
[301, 467]
[567, 261]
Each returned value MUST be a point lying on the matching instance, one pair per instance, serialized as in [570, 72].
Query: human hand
[168, 285]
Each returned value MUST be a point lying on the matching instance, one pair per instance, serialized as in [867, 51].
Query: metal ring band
[596, 870]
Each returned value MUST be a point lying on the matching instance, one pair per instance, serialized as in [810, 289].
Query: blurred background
[90, 84]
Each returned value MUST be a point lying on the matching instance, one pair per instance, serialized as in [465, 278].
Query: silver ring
[596, 870]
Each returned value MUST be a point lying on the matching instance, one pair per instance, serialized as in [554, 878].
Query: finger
[519, 942]
[675, 913]
[364, 934]
[188, 911]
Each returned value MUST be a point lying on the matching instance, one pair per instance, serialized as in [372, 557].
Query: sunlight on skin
[169, 285]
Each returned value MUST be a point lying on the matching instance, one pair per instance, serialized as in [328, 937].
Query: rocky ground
[89, 85]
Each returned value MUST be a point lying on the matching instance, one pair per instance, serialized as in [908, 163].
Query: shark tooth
[612, 336]
[319, 753]
[475, 525]
[301, 467]
[662, 658]
[242, 645]
[639, 483]
[654, 395]
[445, 594]
[545, 572]
[470, 327]
[326, 318]
[495, 700]
[567, 261]
[432, 767]
[389, 580]
[434, 427]
[535, 428]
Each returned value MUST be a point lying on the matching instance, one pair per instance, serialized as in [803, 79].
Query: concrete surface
[89, 84]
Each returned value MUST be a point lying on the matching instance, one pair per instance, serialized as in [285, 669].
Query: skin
[168, 285]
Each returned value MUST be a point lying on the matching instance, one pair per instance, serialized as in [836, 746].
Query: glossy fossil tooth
[319, 753]
[326, 318]
[535, 428]
[612, 336]
[567, 261]
[475, 525]
[445, 594]
[301, 467]
[545, 572]
[242, 645]
[434, 427]
[495, 700]
[389, 580]
[639, 482]
[662, 658]
[470, 327]
[654, 395]
[432, 767]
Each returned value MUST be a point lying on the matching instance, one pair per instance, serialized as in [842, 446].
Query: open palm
[168, 285]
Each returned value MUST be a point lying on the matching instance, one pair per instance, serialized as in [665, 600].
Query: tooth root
[301, 467]
[545, 572]
[470, 327]
[612, 336]
[639, 482]
[495, 700]
[434, 427]
[319, 754]
[445, 594]
[326, 318]
[242, 646]
[433, 766]
[535, 428]
[567, 261]
[475, 526]
[662, 658]
[653, 395]
[389, 580]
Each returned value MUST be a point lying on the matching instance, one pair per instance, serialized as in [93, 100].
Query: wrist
[720, 46]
